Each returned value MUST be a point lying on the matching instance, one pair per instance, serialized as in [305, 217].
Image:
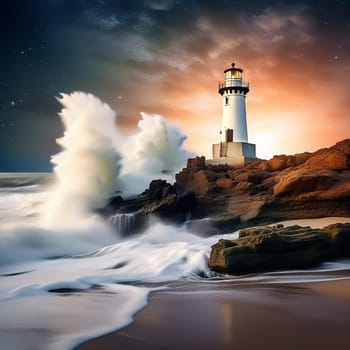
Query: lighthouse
[233, 148]
[233, 91]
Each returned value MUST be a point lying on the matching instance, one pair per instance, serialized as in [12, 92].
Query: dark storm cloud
[152, 52]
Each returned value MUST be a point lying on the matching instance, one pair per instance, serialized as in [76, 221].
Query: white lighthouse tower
[233, 91]
[234, 148]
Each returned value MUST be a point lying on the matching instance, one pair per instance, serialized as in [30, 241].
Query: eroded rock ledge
[275, 248]
[306, 185]
[221, 199]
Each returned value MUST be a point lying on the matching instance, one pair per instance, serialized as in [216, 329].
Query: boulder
[275, 248]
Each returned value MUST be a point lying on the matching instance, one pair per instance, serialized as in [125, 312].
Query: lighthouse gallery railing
[233, 82]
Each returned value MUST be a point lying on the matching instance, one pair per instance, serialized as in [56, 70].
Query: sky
[167, 57]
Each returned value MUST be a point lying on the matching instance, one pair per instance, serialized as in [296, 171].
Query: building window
[226, 100]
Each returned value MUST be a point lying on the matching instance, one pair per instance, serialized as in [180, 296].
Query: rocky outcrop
[174, 208]
[193, 177]
[168, 202]
[277, 247]
[305, 185]
[161, 200]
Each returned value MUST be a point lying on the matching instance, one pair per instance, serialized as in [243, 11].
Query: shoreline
[293, 315]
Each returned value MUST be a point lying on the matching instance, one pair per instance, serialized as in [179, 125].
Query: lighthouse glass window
[237, 74]
[233, 74]
[226, 100]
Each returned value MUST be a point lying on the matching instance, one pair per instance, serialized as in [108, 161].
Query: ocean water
[66, 274]
[61, 286]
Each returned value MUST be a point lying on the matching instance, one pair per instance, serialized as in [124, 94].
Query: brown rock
[264, 166]
[278, 163]
[254, 177]
[301, 181]
[159, 189]
[242, 177]
[244, 186]
[343, 146]
[340, 238]
[224, 183]
[301, 158]
[212, 176]
[245, 206]
[196, 163]
[274, 248]
[200, 183]
[329, 159]
[305, 185]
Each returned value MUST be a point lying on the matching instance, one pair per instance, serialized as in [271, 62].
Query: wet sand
[244, 316]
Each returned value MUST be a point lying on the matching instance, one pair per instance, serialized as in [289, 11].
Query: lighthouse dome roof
[233, 68]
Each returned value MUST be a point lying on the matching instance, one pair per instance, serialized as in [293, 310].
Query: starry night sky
[167, 57]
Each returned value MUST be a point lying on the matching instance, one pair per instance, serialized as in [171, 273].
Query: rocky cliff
[217, 199]
[160, 200]
[306, 185]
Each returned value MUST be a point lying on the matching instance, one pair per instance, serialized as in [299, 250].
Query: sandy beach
[313, 315]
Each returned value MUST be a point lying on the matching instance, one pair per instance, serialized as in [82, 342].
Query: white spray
[96, 161]
[87, 168]
[156, 151]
